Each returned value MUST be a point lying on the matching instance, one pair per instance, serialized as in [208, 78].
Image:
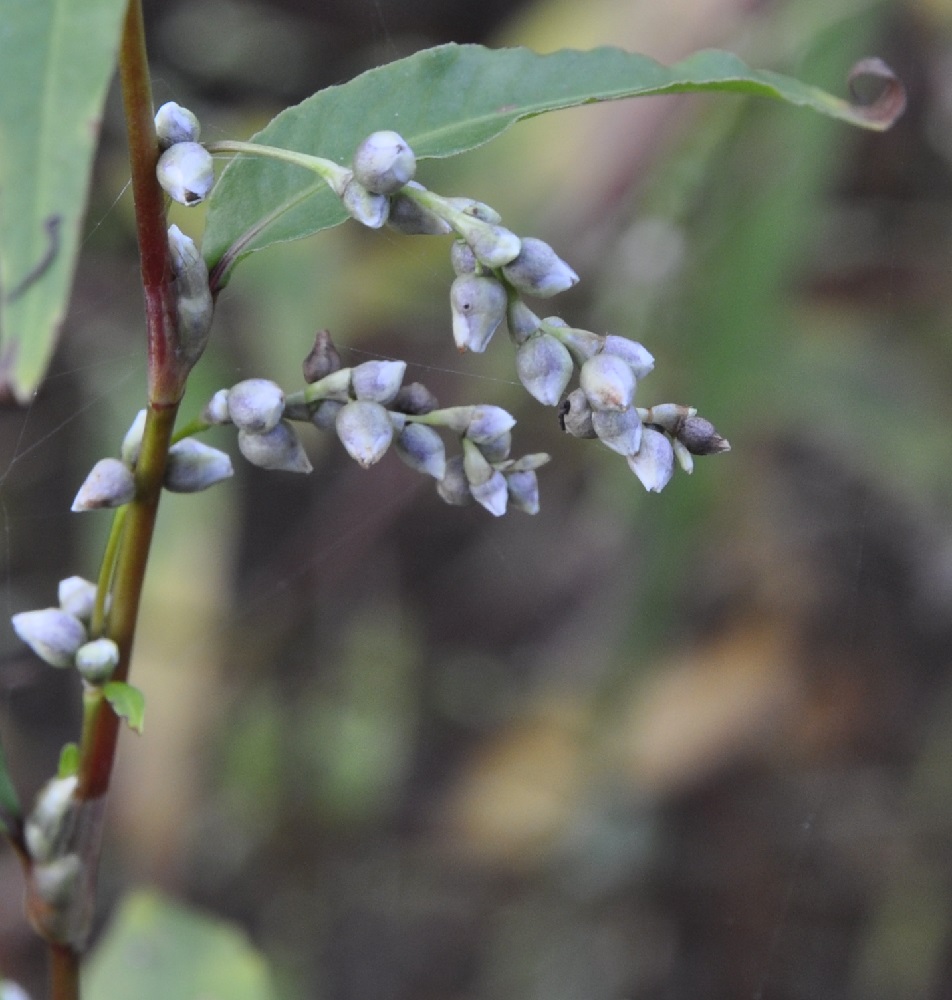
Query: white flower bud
[479, 306]
[620, 430]
[365, 430]
[384, 162]
[216, 409]
[9, 990]
[278, 449]
[638, 356]
[668, 416]
[492, 494]
[538, 270]
[411, 219]
[544, 367]
[256, 405]
[132, 442]
[46, 826]
[684, 457]
[186, 172]
[581, 344]
[462, 258]
[523, 491]
[378, 381]
[453, 488]
[422, 449]
[173, 124]
[575, 415]
[110, 483]
[194, 466]
[494, 246]
[488, 422]
[366, 207]
[52, 633]
[57, 881]
[324, 417]
[77, 597]
[521, 320]
[194, 305]
[96, 661]
[654, 462]
[608, 382]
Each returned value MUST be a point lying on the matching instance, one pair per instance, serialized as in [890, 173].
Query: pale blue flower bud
[132, 442]
[194, 466]
[620, 430]
[384, 162]
[523, 491]
[173, 124]
[110, 483]
[653, 464]
[575, 415]
[52, 633]
[493, 246]
[608, 382]
[366, 207]
[411, 219]
[256, 405]
[538, 270]
[365, 430]
[521, 320]
[488, 422]
[638, 356]
[216, 409]
[378, 381]
[497, 449]
[453, 488]
[479, 306]
[581, 344]
[493, 494]
[186, 172]
[194, 305]
[278, 449]
[46, 827]
[96, 661]
[462, 258]
[422, 449]
[544, 367]
[324, 417]
[77, 597]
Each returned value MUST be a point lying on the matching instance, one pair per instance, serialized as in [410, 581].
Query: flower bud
[77, 597]
[462, 258]
[324, 417]
[336, 385]
[620, 430]
[194, 305]
[653, 463]
[639, 357]
[544, 367]
[47, 826]
[581, 344]
[110, 483]
[521, 320]
[186, 172]
[528, 463]
[9, 990]
[366, 207]
[479, 306]
[477, 209]
[322, 359]
[414, 399]
[52, 633]
[668, 416]
[397, 420]
[700, 438]
[497, 449]
[422, 449]
[193, 466]
[278, 449]
[523, 490]
[538, 270]
[493, 494]
[608, 382]
[365, 430]
[453, 488]
[378, 381]
[216, 409]
[256, 405]
[575, 415]
[173, 124]
[384, 162]
[493, 246]
[96, 661]
[488, 422]
[684, 457]
[57, 881]
[411, 219]
[132, 442]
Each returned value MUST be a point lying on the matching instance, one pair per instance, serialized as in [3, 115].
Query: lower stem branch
[63, 972]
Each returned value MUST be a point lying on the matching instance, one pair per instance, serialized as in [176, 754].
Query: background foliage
[689, 746]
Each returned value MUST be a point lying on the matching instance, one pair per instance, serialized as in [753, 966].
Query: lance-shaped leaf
[455, 97]
[127, 702]
[56, 60]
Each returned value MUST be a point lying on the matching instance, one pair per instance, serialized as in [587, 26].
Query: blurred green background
[691, 746]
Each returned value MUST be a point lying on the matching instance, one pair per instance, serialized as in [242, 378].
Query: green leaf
[453, 98]
[127, 701]
[56, 60]
[156, 949]
[68, 761]
[10, 810]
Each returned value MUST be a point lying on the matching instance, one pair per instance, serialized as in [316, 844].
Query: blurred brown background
[695, 746]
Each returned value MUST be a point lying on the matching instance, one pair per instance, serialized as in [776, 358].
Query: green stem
[336, 176]
[97, 621]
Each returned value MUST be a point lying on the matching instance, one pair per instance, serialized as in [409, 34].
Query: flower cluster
[371, 409]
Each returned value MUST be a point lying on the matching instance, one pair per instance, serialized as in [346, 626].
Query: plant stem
[64, 973]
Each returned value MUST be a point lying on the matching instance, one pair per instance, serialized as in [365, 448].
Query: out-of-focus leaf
[128, 702]
[9, 802]
[68, 761]
[454, 98]
[157, 949]
[56, 60]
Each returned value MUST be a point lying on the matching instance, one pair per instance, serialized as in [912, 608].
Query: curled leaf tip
[889, 102]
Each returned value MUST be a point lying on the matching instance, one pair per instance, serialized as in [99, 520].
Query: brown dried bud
[323, 359]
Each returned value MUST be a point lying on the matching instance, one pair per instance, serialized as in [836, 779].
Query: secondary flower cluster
[371, 409]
